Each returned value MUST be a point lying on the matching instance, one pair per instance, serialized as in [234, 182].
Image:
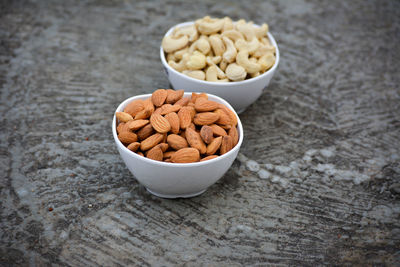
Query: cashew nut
[196, 61]
[242, 59]
[212, 75]
[213, 60]
[197, 74]
[261, 31]
[178, 54]
[234, 35]
[181, 66]
[235, 72]
[190, 31]
[220, 73]
[223, 65]
[208, 25]
[202, 45]
[171, 57]
[228, 24]
[247, 29]
[217, 44]
[230, 52]
[171, 44]
[251, 46]
[266, 61]
[264, 49]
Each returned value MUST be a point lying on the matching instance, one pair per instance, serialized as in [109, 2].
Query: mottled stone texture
[317, 181]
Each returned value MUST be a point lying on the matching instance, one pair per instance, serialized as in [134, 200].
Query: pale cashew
[217, 44]
[178, 54]
[266, 61]
[265, 41]
[208, 25]
[190, 31]
[261, 31]
[213, 60]
[223, 65]
[247, 29]
[171, 57]
[242, 59]
[230, 53]
[181, 66]
[220, 73]
[197, 74]
[251, 46]
[235, 72]
[196, 61]
[171, 44]
[264, 49]
[255, 74]
[228, 24]
[234, 35]
[202, 45]
[212, 75]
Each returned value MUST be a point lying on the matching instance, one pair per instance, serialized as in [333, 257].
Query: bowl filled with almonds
[177, 144]
[233, 60]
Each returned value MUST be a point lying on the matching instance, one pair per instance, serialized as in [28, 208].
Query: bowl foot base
[176, 196]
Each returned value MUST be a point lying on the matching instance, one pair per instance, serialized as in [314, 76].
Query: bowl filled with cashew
[233, 60]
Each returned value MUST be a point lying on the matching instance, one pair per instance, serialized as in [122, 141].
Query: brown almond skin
[194, 140]
[206, 133]
[133, 146]
[123, 116]
[214, 145]
[127, 137]
[168, 154]
[234, 134]
[173, 96]
[163, 146]
[122, 127]
[209, 157]
[158, 97]
[183, 101]
[224, 117]
[203, 105]
[195, 96]
[140, 153]
[174, 121]
[148, 104]
[136, 124]
[186, 155]
[159, 123]
[205, 118]
[144, 114]
[134, 107]
[177, 142]
[151, 141]
[168, 108]
[155, 153]
[232, 115]
[145, 132]
[226, 144]
[218, 130]
[185, 117]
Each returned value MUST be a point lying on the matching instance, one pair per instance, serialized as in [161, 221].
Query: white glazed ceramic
[173, 180]
[239, 94]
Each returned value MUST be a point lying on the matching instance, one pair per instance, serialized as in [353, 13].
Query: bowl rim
[169, 164]
[221, 84]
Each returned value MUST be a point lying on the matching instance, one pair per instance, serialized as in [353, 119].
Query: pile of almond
[172, 128]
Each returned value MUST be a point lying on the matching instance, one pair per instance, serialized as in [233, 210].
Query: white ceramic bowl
[239, 94]
[173, 180]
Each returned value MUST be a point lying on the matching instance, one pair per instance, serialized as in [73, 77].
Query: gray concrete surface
[317, 181]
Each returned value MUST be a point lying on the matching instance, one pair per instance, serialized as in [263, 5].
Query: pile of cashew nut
[220, 50]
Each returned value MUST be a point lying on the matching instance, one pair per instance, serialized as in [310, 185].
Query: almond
[145, 132]
[194, 140]
[158, 97]
[140, 153]
[133, 146]
[214, 145]
[183, 101]
[173, 96]
[168, 108]
[164, 146]
[148, 104]
[127, 137]
[192, 126]
[234, 134]
[205, 118]
[185, 117]
[159, 123]
[134, 107]
[123, 116]
[144, 114]
[218, 130]
[176, 142]
[226, 127]
[232, 114]
[195, 96]
[168, 154]
[136, 124]
[186, 155]
[202, 105]
[192, 111]
[226, 144]
[209, 157]
[224, 117]
[206, 133]
[151, 141]
[155, 153]
[122, 127]
[173, 120]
